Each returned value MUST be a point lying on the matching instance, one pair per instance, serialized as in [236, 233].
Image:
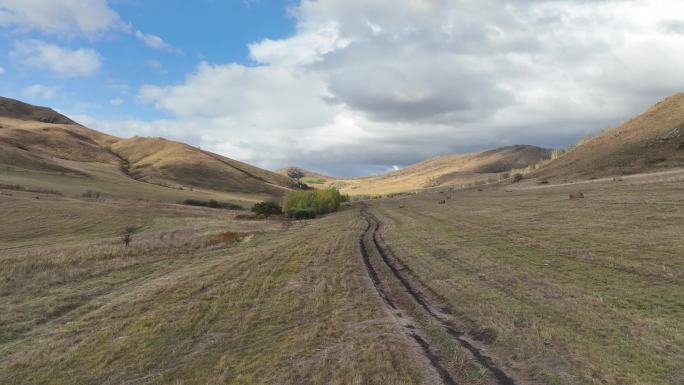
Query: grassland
[554, 291]
[565, 291]
[114, 185]
[199, 297]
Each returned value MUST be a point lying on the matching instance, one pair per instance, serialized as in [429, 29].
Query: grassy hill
[165, 162]
[448, 170]
[55, 148]
[652, 141]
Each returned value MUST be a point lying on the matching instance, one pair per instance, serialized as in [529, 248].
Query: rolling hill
[165, 162]
[448, 170]
[39, 139]
[652, 141]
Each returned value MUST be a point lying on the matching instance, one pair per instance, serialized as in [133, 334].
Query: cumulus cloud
[155, 42]
[40, 91]
[62, 17]
[362, 86]
[58, 60]
[116, 101]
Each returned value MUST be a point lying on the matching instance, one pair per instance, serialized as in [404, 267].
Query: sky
[344, 87]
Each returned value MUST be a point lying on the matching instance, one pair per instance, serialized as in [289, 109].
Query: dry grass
[470, 168]
[577, 292]
[112, 184]
[652, 141]
[75, 150]
[166, 162]
[198, 298]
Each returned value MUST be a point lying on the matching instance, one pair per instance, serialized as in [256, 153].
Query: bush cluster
[212, 203]
[308, 204]
[266, 209]
[296, 213]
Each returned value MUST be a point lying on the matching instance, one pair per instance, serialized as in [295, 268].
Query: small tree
[127, 235]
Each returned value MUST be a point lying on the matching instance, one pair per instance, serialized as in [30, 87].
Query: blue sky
[344, 87]
[205, 30]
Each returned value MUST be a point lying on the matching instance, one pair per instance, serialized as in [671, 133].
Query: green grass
[312, 180]
[591, 290]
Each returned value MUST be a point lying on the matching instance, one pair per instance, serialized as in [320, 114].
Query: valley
[559, 277]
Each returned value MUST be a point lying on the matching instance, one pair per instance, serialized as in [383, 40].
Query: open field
[557, 291]
[199, 297]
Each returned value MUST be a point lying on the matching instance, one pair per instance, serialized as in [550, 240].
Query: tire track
[501, 377]
[432, 357]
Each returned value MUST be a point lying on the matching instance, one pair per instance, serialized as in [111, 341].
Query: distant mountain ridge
[40, 139]
[448, 170]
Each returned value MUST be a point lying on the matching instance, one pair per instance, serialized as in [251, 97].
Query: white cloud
[61, 17]
[362, 86]
[116, 101]
[40, 91]
[2, 71]
[155, 42]
[306, 47]
[58, 60]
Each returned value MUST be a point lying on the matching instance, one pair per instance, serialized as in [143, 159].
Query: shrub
[214, 204]
[267, 209]
[297, 213]
[319, 201]
[517, 178]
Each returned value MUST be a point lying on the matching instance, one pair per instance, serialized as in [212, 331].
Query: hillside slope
[448, 170]
[161, 161]
[15, 109]
[39, 139]
[652, 141]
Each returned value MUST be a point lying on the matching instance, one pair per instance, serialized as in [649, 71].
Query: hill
[161, 161]
[448, 170]
[10, 108]
[41, 140]
[652, 141]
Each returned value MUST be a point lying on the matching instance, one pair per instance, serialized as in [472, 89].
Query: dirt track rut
[439, 315]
